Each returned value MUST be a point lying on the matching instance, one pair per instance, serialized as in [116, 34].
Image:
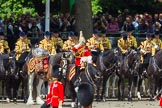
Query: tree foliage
[16, 6]
[96, 8]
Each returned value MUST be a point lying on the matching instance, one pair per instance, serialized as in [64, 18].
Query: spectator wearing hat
[70, 42]
[22, 48]
[47, 43]
[95, 45]
[124, 44]
[157, 41]
[147, 50]
[105, 41]
[4, 48]
[55, 97]
[57, 41]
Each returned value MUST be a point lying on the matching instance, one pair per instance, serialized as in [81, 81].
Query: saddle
[38, 64]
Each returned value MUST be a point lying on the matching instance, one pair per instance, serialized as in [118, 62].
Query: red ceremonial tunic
[56, 94]
[161, 101]
[81, 52]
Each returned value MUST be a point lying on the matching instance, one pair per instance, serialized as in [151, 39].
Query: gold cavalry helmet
[81, 37]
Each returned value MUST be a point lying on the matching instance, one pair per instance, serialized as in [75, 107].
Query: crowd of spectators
[35, 26]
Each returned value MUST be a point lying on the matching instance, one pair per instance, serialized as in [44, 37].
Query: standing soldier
[22, 49]
[57, 41]
[124, 44]
[147, 50]
[71, 42]
[55, 97]
[95, 46]
[105, 41]
[47, 44]
[157, 41]
[132, 40]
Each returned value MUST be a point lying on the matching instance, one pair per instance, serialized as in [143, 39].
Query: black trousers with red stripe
[46, 106]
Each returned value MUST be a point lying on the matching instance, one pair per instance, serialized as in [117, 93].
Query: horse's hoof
[25, 100]
[72, 104]
[139, 96]
[30, 102]
[39, 100]
[7, 100]
[129, 99]
[113, 96]
[151, 99]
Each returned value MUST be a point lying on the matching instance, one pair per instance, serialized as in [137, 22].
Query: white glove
[59, 106]
[143, 51]
[156, 46]
[78, 45]
[89, 59]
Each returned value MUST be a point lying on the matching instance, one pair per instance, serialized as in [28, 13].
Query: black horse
[85, 92]
[106, 64]
[10, 77]
[154, 72]
[126, 71]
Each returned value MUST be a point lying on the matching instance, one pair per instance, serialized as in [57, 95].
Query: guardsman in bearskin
[71, 42]
[55, 97]
[22, 49]
[4, 48]
[47, 43]
[57, 41]
[82, 55]
[124, 44]
[105, 41]
[147, 50]
[157, 41]
[132, 40]
[95, 46]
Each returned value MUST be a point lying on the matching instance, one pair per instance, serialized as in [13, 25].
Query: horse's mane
[55, 59]
[108, 56]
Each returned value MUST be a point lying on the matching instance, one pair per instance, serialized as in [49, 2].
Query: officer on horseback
[22, 49]
[95, 45]
[105, 41]
[82, 55]
[4, 48]
[57, 41]
[157, 41]
[147, 50]
[47, 43]
[71, 42]
[124, 44]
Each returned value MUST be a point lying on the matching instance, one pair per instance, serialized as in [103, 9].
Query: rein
[107, 69]
[155, 64]
[90, 78]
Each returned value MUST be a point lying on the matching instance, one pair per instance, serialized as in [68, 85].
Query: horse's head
[132, 56]
[69, 56]
[92, 72]
[12, 64]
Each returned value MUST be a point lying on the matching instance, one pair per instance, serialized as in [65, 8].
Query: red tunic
[161, 101]
[56, 94]
[81, 52]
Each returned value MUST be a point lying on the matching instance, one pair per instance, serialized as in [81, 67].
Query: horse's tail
[85, 94]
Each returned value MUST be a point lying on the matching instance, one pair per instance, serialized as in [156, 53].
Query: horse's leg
[73, 94]
[105, 78]
[107, 88]
[38, 98]
[30, 84]
[8, 88]
[3, 89]
[25, 82]
[115, 78]
[139, 88]
[151, 84]
[119, 90]
[122, 89]
[98, 89]
[130, 84]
